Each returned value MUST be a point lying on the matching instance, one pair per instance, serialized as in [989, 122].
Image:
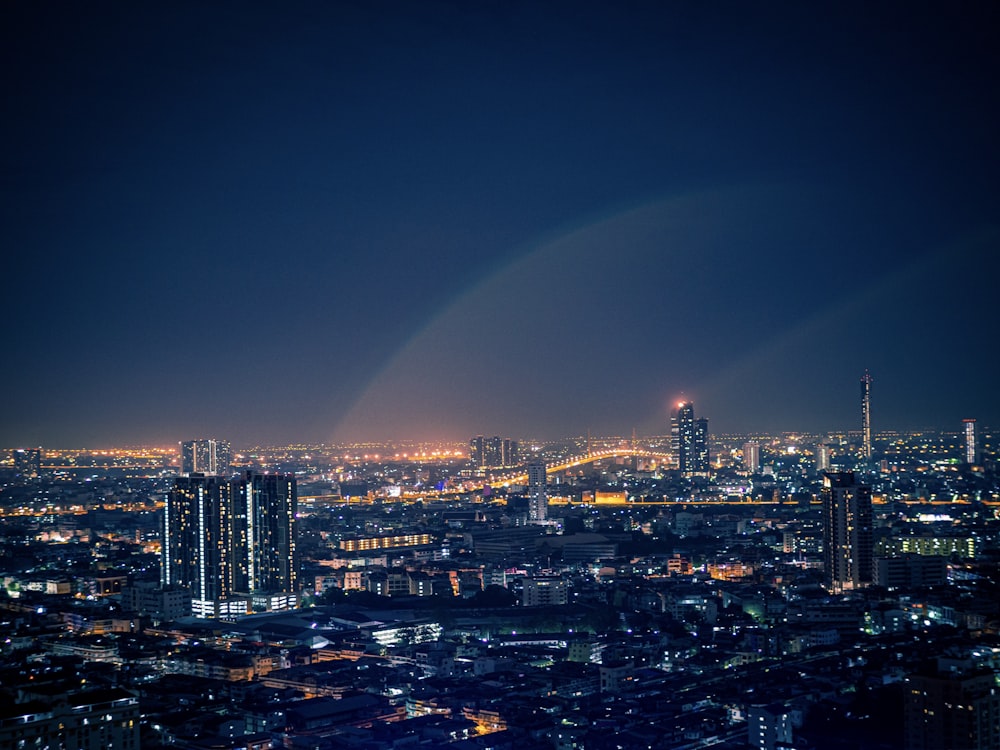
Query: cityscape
[574, 375]
[682, 590]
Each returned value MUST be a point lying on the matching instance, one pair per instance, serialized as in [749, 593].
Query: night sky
[312, 222]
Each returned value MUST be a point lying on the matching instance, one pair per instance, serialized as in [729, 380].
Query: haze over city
[372, 221]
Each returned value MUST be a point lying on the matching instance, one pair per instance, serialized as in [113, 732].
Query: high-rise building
[751, 456]
[538, 502]
[206, 456]
[689, 439]
[823, 452]
[493, 453]
[225, 539]
[271, 503]
[848, 537]
[866, 416]
[510, 456]
[951, 709]
[971, 452]
[477, 451]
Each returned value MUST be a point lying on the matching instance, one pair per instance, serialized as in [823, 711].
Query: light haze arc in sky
[489, 335]
[347, 220]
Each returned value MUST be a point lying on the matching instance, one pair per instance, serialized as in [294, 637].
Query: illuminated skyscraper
[848, 537]
[206, 456]
[538, 502]
[493, 453]
[271, 503]
[822, 457]
[971, 453]
[225, 539]
[689, 439]
[866, 416]
[751, 456]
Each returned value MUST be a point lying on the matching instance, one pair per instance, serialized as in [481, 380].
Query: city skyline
[388, 222]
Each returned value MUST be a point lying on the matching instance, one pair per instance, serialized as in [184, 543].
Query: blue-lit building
[227, 539]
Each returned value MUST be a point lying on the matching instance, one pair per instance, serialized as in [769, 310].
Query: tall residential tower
[538, 501]
[970, 454]
[848, 535]
[226, 539]
[689, 439]
[207, 456]
[866, 417]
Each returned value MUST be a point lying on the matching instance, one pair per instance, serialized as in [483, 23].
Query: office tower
[27, 463]
[689, 439]
[848, 553]
[866, 416]
[493, 453]
[823, 452]
[538, 503]
[952, 708]
[206, 456]
[225, 539]
[477, 451]
[751, 456]
[971, 453]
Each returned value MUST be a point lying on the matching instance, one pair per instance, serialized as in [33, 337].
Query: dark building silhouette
[847, 532]
[955, 709]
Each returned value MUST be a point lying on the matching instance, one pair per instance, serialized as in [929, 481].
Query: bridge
[589, 458]
[505, 480]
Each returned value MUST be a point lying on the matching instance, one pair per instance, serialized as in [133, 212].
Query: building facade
[207, 456]
[971, 445]
[951, 709]
[823, 453]
[866, 417]
[848, 537]
[751, 456]
[538, 502]
[689, 439]
[225, 539]
[494, 452]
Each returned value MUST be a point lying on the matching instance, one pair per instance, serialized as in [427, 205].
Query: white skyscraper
[866, 417]
[751, 456]
[538, 508]
[971, 452]
[822, 457]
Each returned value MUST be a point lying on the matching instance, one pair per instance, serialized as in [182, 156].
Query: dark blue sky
[403, 220]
